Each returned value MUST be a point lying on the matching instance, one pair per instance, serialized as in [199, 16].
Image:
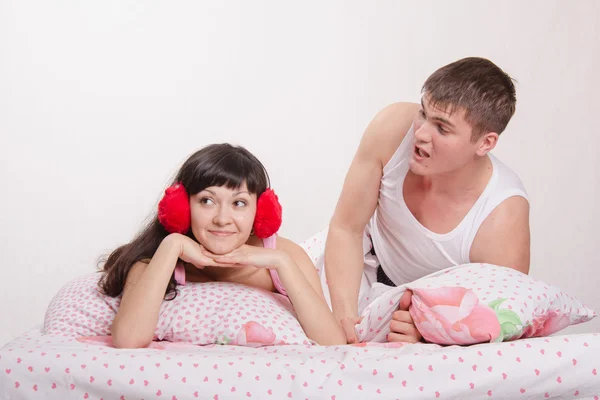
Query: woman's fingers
[233, 257]
[201, 260]
[247, 255]
[227, 260]
[223, 260]
[201, 264]
[215, 256]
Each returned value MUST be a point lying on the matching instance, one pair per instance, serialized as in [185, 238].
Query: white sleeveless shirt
[406, 249]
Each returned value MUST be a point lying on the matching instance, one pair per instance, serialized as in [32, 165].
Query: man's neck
[471, 178]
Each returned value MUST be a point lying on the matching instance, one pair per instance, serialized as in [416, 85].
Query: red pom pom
[174, 209]
[268, 215]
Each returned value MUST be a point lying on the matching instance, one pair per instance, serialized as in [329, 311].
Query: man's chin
[418, 168]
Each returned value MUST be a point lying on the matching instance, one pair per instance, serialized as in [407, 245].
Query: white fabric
[43, 367]
[406, 249]
[536, 304]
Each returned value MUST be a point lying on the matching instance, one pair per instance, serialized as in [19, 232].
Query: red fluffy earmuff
[174, 209]
[174, 212]
[268, 215]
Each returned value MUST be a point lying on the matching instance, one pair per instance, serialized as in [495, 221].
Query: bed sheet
[35, 366]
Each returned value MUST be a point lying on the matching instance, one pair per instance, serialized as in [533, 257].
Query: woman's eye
[442, 130]
[239, 203]
[206, 200]
[422, 113]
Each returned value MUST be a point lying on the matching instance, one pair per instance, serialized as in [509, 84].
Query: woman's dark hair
[214, 165]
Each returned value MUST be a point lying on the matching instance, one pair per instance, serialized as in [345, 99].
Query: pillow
[79, 309]
[477, 303]
[202, 313]
[229, 313]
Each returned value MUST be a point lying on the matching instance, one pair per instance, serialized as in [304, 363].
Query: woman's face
[222, 218]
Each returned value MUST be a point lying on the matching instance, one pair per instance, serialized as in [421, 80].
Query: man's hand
[402, 327]
[348, 324]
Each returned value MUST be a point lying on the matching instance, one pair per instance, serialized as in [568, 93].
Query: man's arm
[503, 237]
[344, 251]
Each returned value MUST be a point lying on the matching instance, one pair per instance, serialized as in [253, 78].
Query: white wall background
[100, 102]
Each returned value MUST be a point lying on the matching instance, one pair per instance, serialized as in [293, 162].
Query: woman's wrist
[171, 247]
[175, 240]
[283, 261]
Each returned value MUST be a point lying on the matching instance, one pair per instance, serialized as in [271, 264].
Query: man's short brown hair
[479, 87]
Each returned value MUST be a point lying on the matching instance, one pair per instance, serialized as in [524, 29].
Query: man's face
[442, 141]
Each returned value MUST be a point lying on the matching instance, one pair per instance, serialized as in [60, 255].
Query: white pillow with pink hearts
[476, 303]
[229, 313]
[201, 314]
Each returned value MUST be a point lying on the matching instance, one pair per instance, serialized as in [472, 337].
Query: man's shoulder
[387, 130]
[504, 237]
[397, 115]
[508, 181]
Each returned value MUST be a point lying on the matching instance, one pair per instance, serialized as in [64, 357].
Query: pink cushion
[477, 303]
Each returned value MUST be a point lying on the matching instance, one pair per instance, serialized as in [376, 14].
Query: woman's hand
[191, 252]
[250, 255]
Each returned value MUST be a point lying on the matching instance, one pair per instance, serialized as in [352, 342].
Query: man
[427, 193]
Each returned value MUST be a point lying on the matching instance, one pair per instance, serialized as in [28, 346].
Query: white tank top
[406, 249]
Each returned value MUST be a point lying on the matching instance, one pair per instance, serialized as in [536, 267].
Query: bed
[35, 366]
[54, 362]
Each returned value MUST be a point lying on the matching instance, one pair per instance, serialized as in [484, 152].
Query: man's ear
[486, 143]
